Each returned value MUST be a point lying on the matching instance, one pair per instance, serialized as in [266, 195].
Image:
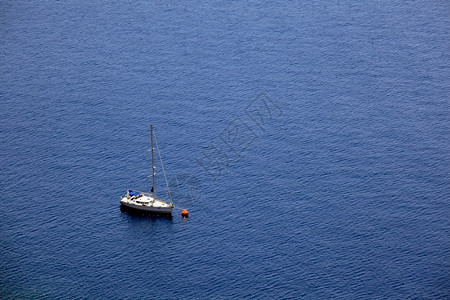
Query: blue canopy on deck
[133, 193]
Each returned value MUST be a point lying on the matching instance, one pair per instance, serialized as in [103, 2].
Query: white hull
[146, 204]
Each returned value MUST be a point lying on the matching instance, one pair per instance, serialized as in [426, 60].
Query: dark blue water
[309, 140]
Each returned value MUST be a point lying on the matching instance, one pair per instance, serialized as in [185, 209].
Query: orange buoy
[184, 213]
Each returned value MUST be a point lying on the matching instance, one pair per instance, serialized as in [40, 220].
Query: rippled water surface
[309, 141]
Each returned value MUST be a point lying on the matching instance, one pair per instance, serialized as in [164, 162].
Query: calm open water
[309, 141]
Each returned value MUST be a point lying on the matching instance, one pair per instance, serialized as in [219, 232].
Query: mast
[153, 164]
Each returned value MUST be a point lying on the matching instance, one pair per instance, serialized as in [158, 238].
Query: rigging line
[162, 167]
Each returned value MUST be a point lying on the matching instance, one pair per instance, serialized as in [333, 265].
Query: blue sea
[309, 140]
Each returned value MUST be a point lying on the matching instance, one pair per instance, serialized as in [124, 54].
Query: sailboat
[148, 202]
